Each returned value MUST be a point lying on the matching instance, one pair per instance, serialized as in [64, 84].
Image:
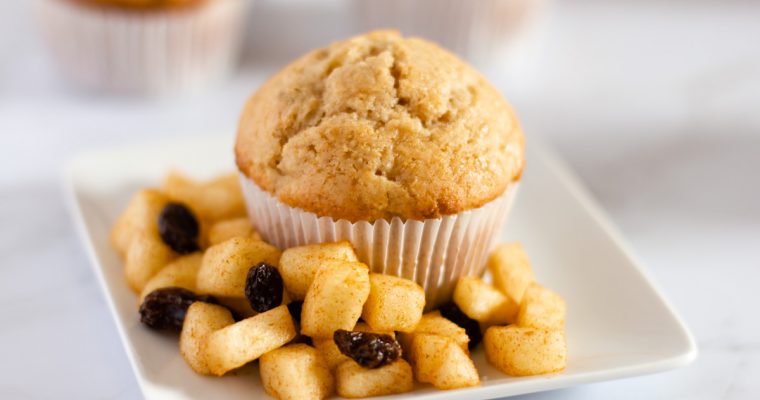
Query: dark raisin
[206, 298]
[165, 308]
[302, 339]
[370, 350]
[295, 310]
[179, 228]
[452, 312]
[263, 287]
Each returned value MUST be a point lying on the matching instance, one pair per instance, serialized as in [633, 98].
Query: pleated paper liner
[487, 33]
[143, 51]
[432, 252]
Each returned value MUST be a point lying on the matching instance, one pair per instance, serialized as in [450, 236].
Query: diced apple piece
[179, 273]
[227, 229]
[355, 381]
[523, 351]
[542, 308]
[438, 360]
[484, 303]
[511, 270]
[242, 342]
[434, 323]
[298, 265]
[295, 372]
[202, 319]
[225, 266]
[394, 304]
[335, 299]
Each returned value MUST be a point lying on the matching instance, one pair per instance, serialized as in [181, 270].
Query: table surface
[654, 104]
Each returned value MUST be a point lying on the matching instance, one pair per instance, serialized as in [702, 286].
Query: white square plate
[618, 324]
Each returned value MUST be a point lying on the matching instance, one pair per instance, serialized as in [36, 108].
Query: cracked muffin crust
[379, 126]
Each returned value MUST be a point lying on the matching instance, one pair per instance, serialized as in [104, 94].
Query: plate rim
[555, 163]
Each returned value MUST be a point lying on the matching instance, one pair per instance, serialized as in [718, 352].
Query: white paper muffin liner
[143, 51]
[434, 252]
[487, 33]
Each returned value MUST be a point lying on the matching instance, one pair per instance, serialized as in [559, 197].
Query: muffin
[143, 46]
[490, 34]
[142, 3]
[391, 143]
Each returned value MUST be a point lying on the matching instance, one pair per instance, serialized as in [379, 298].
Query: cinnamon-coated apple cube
[213, 200]
[295, 372]
[434, 323]
[335, 299]
[355, 381]
[227, 229]
[394, 304]
[146, 256]
[179, 273]
[523, 351]
[440, 361]
[511, 270]
[298, 265]
[244, 341]
[139, 218]
[225, 266]
[202, 319]
[483, 302]
[542, 308]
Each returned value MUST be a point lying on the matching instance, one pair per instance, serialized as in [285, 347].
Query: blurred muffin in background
[487, 33]
[143, 46]
[143, 3]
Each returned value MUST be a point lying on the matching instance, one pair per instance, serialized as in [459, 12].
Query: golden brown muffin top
[379, 126]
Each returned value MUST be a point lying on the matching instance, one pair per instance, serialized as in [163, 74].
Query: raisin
[263, 287]
[370, 350]
[452, 312]
[179, 228]
[165, 308]
[295, 310]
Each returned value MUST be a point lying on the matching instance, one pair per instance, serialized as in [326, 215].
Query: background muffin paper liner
[491, 34]
[152, 51]
[432, 252]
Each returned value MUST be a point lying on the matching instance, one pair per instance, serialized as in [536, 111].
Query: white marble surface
[655, 104]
